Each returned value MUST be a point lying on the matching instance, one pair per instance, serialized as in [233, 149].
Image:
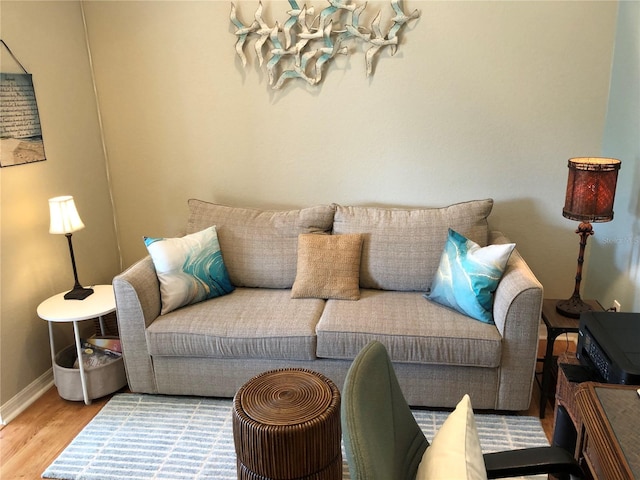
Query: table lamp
[591, 189]
[65, 220]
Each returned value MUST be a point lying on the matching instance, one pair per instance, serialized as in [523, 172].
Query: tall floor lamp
[65, 220]
[591, 189]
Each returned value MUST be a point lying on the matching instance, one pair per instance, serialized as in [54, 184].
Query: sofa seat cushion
[248, 323]
[402, 247]
[413, 329]
[259, 247]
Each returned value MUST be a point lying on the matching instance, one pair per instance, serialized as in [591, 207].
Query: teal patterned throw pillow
[468, 276]
[190, 269]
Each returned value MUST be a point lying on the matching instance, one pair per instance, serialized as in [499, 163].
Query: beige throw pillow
[328, 267]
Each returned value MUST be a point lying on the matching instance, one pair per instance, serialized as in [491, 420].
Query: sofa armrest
[516, 310]
[138, 304]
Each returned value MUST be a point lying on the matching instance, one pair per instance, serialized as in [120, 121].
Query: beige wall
[48, 38]
[483, 99]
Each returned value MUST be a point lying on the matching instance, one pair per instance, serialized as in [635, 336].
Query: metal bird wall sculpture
[303, 45]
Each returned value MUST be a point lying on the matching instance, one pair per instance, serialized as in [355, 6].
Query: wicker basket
[286, 425]
[566, 391]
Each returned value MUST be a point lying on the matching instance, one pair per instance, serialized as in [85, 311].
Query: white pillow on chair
[454, 453]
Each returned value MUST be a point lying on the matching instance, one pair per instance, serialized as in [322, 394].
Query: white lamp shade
[64, 216]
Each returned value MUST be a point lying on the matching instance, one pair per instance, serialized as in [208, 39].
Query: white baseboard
[19, 403]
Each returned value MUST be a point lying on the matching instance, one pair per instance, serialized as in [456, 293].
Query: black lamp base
[78, 293]
[572, 307]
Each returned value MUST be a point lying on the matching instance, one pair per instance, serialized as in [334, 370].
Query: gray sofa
[213, 347]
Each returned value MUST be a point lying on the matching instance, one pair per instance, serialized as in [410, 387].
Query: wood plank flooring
[30, 442]
[37, 436]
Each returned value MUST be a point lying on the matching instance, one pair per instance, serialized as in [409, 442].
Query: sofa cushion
[413, 330]
[468, 276]
[402, 247]
[248, 323]
[190, 269]
[259, 246]
[328, 266]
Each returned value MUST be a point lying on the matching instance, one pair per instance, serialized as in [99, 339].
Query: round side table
[58, 310]
[286, 425]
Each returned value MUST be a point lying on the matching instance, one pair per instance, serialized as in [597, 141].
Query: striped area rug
[142, 437]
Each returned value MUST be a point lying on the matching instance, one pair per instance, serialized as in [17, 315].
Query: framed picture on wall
[20, 132]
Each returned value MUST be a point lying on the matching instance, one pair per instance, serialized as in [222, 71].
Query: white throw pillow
[190, 269]
[454, 453]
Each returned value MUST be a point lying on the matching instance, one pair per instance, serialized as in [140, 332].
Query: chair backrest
[381, 437]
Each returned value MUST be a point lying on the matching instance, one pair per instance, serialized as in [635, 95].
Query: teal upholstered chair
[383, 441]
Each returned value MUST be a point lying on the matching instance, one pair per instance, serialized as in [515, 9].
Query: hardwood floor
[37, 436]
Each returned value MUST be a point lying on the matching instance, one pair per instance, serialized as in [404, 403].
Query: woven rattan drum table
[286, 425]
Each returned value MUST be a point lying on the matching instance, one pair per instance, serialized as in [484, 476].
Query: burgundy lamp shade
[591, 189]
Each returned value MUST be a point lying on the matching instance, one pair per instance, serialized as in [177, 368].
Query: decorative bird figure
[299, 70]
[307, 33]
[354, 29]
[377, 42]
[329, 50]
[241, 33]
[291, 22]
[263, 31]
[399, 21]
[276, 55]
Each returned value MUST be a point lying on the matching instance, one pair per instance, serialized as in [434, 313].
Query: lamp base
[572, 307]
[78, 293]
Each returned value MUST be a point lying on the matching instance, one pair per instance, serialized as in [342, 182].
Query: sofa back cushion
[259, 247]
[402, 247]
